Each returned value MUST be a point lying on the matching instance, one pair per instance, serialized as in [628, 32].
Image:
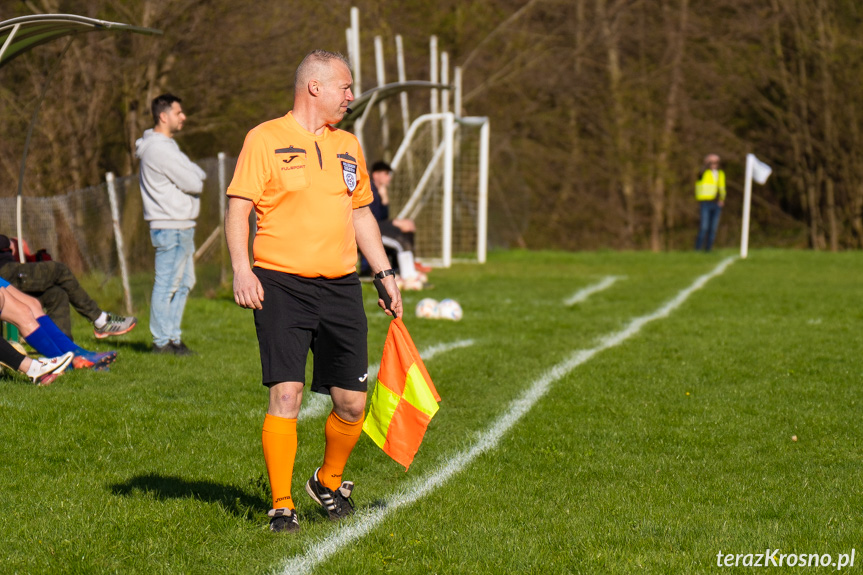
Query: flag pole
[747, 201]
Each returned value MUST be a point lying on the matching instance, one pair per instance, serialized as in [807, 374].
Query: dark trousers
[54, 285]
[395, 241]
[710, 211]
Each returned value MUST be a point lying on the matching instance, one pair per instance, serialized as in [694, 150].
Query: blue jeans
[175, 278]
[710, 211]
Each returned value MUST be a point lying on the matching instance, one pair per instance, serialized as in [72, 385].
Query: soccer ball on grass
[449, 309]
[427, 308]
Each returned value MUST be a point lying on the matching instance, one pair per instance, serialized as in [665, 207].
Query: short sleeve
[253, 169]
[363, 194]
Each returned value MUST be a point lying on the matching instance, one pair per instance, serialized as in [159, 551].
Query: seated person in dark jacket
[397, 235]
[54, 285]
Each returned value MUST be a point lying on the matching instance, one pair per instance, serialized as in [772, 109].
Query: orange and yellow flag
[404, 399]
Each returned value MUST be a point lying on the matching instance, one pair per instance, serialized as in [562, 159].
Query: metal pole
[403, 99]
[382, 107]
[19, 205]
[403, 151]
[444, 79]
[433, 97]
[447, 190]
[457, 95]
[355, 40]
[118, 239]
[360, 124]
[223, 188]
[747, 201]
[9, 39]
[350, 45]
[482, 226]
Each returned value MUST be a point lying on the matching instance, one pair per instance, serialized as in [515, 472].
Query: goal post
[448, 196]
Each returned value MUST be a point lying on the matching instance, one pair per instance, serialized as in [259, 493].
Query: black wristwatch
[384, 273]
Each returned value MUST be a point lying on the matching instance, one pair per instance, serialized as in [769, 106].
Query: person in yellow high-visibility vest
[710, 193]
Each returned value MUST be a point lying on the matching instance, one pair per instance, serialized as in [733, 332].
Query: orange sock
[341, 437]
[280, 450]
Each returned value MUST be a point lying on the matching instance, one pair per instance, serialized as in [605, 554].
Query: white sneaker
[115, 325]
[50, 369]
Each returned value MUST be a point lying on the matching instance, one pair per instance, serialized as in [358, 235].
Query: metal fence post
[118, 238]
[223, 246]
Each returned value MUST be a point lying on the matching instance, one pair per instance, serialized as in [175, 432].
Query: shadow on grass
[139, 346]
[246, 503]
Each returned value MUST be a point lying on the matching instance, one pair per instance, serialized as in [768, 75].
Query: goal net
[76, 228]
[440, 181]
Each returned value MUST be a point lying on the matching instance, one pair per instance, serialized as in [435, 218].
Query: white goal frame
[445, 151]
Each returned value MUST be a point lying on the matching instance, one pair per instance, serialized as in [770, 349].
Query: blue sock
[58, 338]
[41, 341]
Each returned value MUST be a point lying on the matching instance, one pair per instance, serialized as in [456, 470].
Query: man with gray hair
[308, 184]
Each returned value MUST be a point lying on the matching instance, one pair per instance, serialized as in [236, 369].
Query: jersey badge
[349, 172]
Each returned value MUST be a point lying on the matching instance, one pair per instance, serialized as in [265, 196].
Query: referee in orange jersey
[309, 187]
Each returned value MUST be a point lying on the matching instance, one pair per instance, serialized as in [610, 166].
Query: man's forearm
[237, 233]
[186, 174]
[368, 236]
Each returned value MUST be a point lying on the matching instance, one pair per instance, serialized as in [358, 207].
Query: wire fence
[77, 228]
[427, 208]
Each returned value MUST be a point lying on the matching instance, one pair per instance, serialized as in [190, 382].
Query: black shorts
[323, 315]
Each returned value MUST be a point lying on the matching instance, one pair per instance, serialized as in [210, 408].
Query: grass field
[663, 443]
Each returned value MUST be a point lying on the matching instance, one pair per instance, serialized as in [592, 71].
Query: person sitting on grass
[55, 286]
[43, 335]
[42, 371]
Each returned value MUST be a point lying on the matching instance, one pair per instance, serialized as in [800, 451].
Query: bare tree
[600, 109]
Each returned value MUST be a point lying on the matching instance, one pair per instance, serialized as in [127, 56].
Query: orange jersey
[305, 188]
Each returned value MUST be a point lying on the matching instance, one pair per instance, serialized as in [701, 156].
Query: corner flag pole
[758, 171]
[747, 201]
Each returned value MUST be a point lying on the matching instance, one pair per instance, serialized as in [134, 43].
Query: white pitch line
[319, 404]
[367, 520]
[585, 293]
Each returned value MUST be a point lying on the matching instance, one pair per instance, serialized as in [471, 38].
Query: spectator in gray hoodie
[171, 186]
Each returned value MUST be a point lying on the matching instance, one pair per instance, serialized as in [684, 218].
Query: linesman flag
[404, 399]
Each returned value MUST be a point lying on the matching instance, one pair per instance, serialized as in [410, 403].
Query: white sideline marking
[585, 293]
[367, 520]
[319, 404]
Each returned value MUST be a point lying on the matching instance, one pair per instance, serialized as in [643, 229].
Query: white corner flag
[758, 171]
